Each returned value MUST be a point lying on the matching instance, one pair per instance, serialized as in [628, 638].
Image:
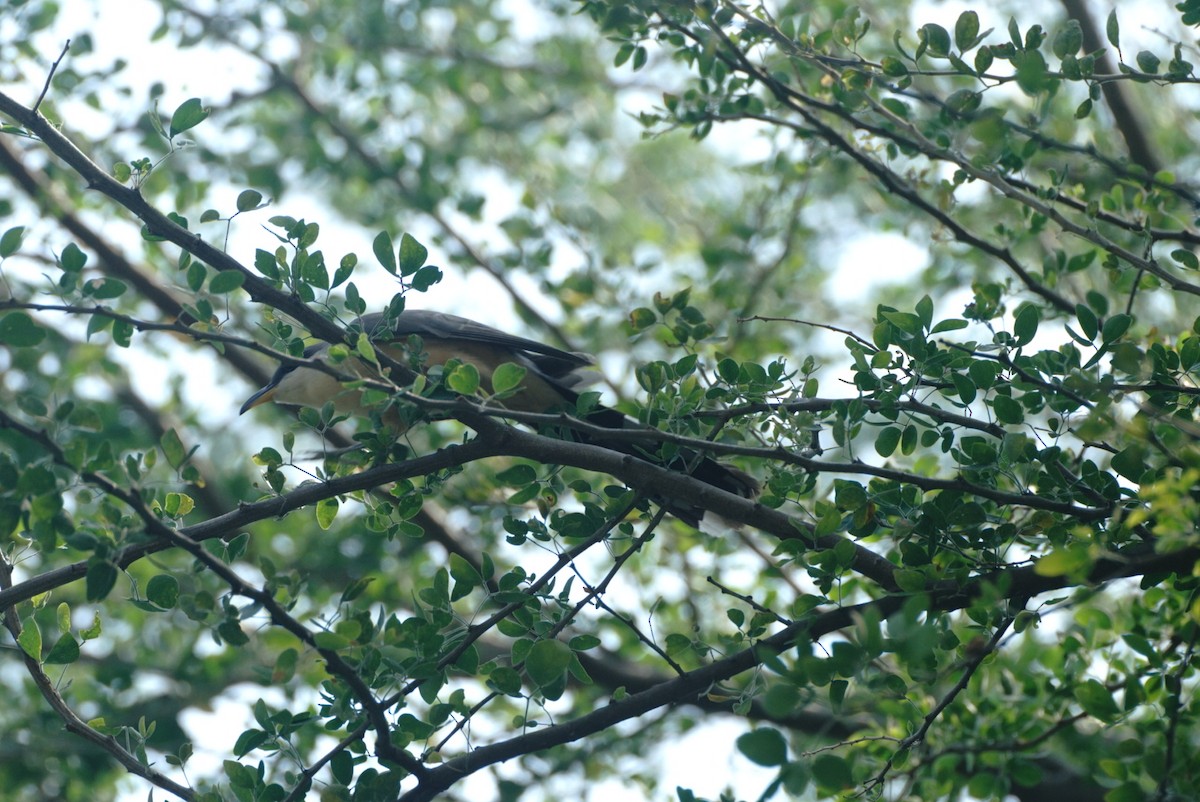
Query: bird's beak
[263, 396]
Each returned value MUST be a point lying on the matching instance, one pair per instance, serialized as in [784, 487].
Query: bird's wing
[441, 326]
[554, 364]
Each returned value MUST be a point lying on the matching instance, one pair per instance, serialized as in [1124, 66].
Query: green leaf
[264, 262]
[465, 577]
[308, 236]
[1063, 562]
[10, 241]
[925, 311]
[122, 332]
[63, 616]
[364, 348]
[1148, 62]
[163, 591]
[582, 643]
[464, 379]
[355, 589]
[547, 662]
[1130, 791]
[1130, 462]
[907, 323]
[1096, 700]
[517, 476]
[101, 577]
[412, 255]
[781, 698]
[887, 440]
[507, 377]
[18, 330]
[344, 270]
[1068, 40]
[327, 510]
[639, 58]
[965, 30]
[764, 746]
[331, 641]
[1113, 30]
[1115, 327]
[936, 38]
[30, 639]
[384, 252]
[149, 236]
[172, 448]
[642, 318]
[1026, 324]
[1007, 410]
[832, 771]
[104, 289]
[313, 270]
[965, 387]
[910, 581]
[506, 681]
[64, 652]
[93, 631]
[190, 113]
[262, 715]
[248, 741]
[285, 667]
[1186, 258]
[1032, 72]
[623, 54]
[983, 59]
[729, 370]
[848, 496]
[226, 281]
[341, 766]
[248, 200]
[426, 277]
[950, 324]
[1088, 322]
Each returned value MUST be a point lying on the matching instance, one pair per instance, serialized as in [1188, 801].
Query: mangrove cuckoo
[551, 376]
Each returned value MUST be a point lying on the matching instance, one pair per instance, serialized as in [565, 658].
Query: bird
[549, 384]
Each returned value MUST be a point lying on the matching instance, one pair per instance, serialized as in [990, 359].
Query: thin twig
[932, 716]
[50, 75]
[749, 600]
[829, 326]
[1174, 711]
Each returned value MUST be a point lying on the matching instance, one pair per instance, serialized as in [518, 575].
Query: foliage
[972, 570]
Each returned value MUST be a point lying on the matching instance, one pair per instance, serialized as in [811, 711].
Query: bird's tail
[695, 464]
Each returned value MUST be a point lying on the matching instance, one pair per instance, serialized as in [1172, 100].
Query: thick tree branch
[1021, 584]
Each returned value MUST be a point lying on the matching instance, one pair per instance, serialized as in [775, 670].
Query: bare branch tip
[50, 75]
